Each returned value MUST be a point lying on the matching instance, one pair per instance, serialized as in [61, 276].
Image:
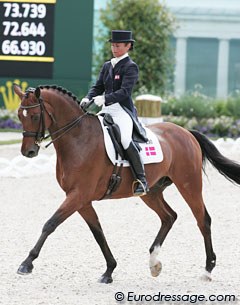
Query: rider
[113, 90]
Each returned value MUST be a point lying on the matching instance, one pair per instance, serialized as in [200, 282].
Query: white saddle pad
[151, 152]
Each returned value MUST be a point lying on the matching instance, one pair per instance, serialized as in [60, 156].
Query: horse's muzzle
[31, 151]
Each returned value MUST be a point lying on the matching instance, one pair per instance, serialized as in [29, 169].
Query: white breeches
[123, 120]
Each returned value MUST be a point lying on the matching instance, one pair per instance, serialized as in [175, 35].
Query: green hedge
[198, 105]
[213, 117]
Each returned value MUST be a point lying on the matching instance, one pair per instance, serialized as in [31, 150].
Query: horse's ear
[37, 92]
[17, 90]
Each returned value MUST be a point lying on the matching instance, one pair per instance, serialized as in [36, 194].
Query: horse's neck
[65, 111]
[80, 146]
[63, 107]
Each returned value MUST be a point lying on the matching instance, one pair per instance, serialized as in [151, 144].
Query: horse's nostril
[31, 154]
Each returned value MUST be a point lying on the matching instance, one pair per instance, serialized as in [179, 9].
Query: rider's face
[120, 48]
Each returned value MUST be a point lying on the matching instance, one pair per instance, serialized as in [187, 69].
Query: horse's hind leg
[91, 218]
[192, 193]
[154, 199]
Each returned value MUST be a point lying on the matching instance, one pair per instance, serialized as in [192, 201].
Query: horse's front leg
[91, 218]
[67, 208]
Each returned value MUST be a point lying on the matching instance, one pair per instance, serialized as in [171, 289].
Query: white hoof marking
[154, 263]
[206, 276]
[156, 270]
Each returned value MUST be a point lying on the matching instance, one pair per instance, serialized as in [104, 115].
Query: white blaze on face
[153, 256]
[25, 113]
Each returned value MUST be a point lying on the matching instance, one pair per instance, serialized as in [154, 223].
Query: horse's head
[35, 120]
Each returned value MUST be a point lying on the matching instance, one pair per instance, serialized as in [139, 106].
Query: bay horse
[83, 170]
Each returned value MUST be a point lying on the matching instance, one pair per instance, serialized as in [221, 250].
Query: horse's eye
[35, 117]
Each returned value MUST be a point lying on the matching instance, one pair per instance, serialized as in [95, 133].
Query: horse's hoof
[156, 270]
[207, 277]
[25, 269]
[105, 279]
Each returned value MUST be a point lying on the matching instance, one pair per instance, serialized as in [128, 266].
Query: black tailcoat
[117, 83]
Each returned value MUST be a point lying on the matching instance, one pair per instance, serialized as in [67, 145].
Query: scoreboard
[45, 41]
[26, 36]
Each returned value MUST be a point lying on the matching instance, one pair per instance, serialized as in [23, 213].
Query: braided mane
[60, 89]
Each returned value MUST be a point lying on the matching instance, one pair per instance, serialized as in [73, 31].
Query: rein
[40, 134]
[65, 129]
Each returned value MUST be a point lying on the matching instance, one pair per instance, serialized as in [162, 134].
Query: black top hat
[121, 36]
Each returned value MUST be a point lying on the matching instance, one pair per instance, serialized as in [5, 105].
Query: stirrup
[144, 192]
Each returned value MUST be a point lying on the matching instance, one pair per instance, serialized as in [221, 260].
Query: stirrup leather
[143, 187]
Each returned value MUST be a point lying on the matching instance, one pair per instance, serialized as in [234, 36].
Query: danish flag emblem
[150, 151]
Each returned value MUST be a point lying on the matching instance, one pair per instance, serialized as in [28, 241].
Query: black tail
[228, 168]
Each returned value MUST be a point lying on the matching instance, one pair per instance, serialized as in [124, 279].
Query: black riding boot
[140, 186]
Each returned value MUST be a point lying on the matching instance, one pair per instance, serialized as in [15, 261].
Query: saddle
[115, 134]
[138, 135]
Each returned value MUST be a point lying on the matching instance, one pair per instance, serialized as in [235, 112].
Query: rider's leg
[123, 120]
[140, 187]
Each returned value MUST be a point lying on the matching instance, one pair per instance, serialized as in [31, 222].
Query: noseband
[40, 134]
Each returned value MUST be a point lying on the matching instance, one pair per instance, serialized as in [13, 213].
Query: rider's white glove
[99, 100]
[84, 102]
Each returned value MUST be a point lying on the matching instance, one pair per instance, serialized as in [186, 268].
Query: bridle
[40, 134]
